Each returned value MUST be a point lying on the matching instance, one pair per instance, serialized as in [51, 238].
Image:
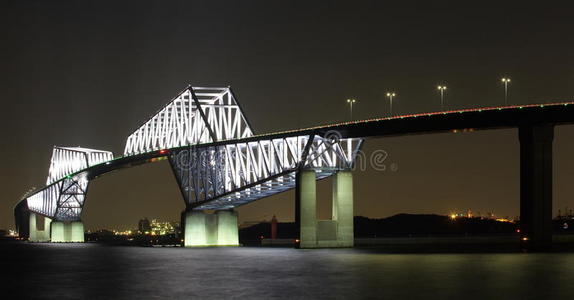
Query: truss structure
[233, 174]
[69, 160]
[63, 200]
[217, 161]
[197, 115]
[64, 196]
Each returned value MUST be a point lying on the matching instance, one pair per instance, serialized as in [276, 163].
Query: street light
[441, 89]
[505, 81]
[391, 95]
[351, 101]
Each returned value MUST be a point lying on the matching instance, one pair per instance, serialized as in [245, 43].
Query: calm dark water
[99, 271]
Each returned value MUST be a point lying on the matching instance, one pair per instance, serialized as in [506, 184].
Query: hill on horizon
[394, 226]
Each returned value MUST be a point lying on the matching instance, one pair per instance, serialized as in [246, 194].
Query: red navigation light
[162, 151]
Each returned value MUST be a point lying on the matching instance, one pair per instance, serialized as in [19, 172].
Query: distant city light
[469, 214]
[154, 228]
[503, 220]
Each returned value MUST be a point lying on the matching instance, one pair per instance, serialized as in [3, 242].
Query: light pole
[441, 89]
[351, 101]
[505, 81]
[391, 95]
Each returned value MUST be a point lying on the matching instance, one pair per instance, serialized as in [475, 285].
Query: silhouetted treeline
[395, 226]
[423, 225]
[108, 237]
[400, 225]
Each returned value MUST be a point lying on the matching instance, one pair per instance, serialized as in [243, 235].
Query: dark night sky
[89, 72]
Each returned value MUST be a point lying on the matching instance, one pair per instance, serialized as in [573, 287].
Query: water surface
[100, 271]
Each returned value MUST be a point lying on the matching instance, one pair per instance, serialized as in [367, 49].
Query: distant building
[161, 228]
[156, 227]
[144, 226]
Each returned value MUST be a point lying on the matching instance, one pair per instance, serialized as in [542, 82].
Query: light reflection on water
[91, 270]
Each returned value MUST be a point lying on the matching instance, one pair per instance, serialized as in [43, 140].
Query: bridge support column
[77, 232]
[334, 233]
[227, 229]
[343, 208]
[67, 232]
[306, 208]
[536, 186]
[39, 228]
[218, 229]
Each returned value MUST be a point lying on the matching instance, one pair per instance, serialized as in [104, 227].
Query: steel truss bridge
[219, 162]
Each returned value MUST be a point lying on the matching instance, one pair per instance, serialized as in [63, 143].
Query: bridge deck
[423, 123]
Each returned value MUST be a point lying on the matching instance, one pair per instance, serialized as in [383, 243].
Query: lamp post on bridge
[441, 89]
[391, 95]
[351, 102]
[505, 81]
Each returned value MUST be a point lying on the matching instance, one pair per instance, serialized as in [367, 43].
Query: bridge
[220, 164]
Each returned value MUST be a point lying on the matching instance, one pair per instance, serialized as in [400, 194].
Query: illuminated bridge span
[220, 164]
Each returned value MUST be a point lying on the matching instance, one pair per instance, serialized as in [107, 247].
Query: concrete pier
[39, 228]
[306, 208]
[334, 233]
[58, 232]
[67, 232]
[536, 186]
[204, 229]
[343, 208]
[77, 232]
[227, 229]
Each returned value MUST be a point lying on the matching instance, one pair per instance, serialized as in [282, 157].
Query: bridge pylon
[334, 233]
[536, 186]
[67, 232]
[39, 228]
[203, 229]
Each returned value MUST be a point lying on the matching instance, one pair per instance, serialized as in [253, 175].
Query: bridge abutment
[536, 186]
[39, 228]
[67, 232]
[217, 229]
[334, 233]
